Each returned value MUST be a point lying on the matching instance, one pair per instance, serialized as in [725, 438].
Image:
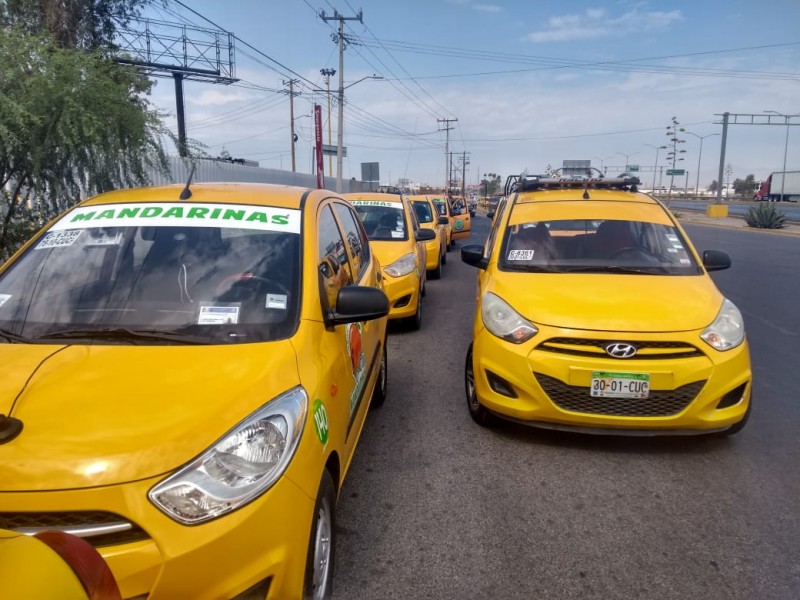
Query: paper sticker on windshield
[4, 298]
[397, 234]
[520, 255]
[59, 239]
[276, 301]
[163, 214]
[212, 314]
[103, 238]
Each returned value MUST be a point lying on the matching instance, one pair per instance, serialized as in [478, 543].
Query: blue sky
[532, 83]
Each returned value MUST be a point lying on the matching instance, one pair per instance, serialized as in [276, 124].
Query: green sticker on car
[320, 420]
[459, 224]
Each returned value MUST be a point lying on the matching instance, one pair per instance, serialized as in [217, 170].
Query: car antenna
[187, 193]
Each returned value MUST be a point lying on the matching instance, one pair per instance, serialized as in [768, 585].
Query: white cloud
[596, 23]
[489, 8]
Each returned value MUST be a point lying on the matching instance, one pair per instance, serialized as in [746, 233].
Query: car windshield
[155, 282]
[423, 210]
[596, 246]
[382, 220]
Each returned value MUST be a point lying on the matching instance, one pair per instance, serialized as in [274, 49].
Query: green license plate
[620, 385]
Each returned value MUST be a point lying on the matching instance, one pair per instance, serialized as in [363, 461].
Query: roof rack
[523, 183]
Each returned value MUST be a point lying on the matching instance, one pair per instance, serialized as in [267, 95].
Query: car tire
[444, 257]
[448, 245]
[477, 411]
[381, 386]
[414, 322]
[319, 561]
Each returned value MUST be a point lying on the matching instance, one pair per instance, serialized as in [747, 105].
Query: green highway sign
[676, 171]
[632, 167]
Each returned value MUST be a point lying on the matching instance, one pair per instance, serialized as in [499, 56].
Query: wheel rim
[322, 551]
[472, 397]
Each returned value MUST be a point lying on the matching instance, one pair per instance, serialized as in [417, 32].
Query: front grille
[660, 403]
[596, 348]
[72, 522]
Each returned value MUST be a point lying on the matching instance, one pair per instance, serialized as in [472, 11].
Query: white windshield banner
[172, 214]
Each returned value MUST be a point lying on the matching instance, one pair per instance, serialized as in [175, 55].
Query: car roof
[283, 196]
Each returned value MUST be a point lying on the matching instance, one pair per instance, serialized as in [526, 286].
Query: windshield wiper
[649, 270]
[123, 334]
[14, 337]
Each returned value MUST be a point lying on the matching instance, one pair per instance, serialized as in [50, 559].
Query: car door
[460, 220]
[341, 345]
[413, 226]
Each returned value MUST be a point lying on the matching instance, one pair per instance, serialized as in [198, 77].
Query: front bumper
[403, 294]
[548, 384]
[263, 543]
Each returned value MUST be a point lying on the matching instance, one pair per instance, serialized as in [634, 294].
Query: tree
[72, 123]
[713, 187]
[745, 187]
[85, 24]
[491, 184]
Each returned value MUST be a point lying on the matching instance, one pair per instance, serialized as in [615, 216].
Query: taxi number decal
[320, 420]
[520, 255]
[59, 239]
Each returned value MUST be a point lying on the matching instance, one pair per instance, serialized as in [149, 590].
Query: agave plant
[765, 216]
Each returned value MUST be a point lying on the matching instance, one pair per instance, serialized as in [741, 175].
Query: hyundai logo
[620, 350]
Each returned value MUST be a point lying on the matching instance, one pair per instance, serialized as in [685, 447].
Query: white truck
[780, 185]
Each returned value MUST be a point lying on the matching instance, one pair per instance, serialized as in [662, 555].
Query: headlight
[246, 462]
[504, 322]
[402, 266]
[727, 330]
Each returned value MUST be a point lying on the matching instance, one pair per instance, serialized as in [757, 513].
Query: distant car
[398, 241]
[436, 248]
[596, 314]
[192, 370]
[458, 215]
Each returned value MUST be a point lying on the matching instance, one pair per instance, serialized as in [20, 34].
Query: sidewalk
[731, 222]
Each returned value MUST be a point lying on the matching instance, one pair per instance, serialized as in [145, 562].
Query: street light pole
[785, 147]
[655, 167]
[626, 158]
[328, 73]
[699, 155]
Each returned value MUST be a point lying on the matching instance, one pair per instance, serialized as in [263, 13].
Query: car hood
[104, 415]
[388, 252]
[610, 302]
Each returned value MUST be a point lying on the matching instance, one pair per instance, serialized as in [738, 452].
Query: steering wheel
[630, 250]
[247, 278]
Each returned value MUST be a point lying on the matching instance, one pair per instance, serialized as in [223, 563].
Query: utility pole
[328, 73]
[292, 94]
[464, 164]
[340, 38]
[447, 129]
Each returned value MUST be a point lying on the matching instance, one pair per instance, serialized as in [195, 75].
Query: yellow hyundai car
[595, 313]
[457, 213]
[436, 249]
[398, 241]
[184, 380]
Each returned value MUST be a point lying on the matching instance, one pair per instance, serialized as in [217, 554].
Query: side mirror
[444, 221]
[716, 260]
[424, 235]
[358, 303]
[472, 254]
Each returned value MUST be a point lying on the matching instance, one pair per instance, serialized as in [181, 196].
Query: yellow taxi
[185, 373]
[457, 213]
[596, 313]
[436, 249]
[399, 244]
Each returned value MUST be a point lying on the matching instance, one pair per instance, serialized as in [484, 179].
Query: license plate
[620, 385]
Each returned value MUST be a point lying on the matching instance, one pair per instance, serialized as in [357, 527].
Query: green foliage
[765, 216]
[86, 24]
[491, 184]
[745, 187]
[72, 124]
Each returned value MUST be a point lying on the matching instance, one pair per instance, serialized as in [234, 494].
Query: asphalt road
[435, 506]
